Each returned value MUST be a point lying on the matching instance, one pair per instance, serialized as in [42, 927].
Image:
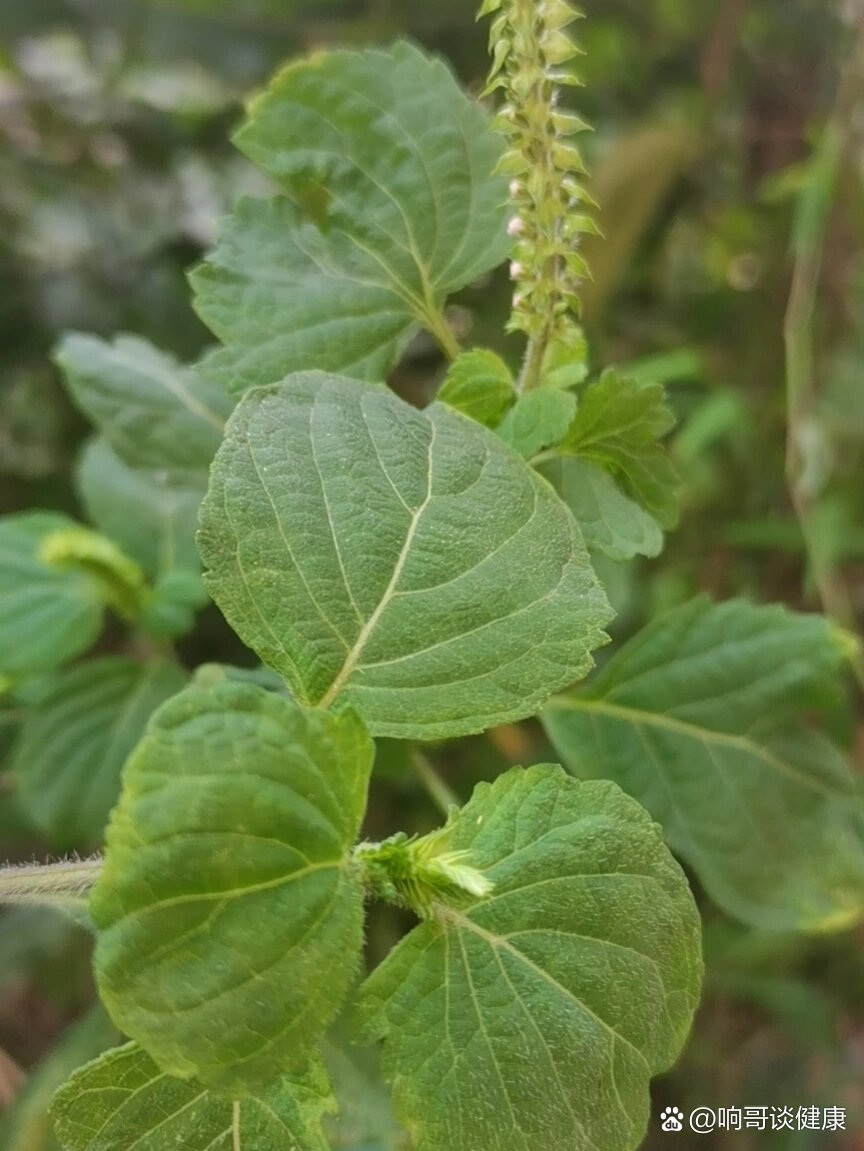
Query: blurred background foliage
[115, 164]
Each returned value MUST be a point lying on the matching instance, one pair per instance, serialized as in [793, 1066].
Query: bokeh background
[710, 118]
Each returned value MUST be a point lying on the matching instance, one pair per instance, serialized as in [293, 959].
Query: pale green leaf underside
[229, 924]
[533, 1019]
[686, 719]
[389, 211]
[123, 1100]
[152, 515]
[47, 616]
[153, 412]
[76, 739]
[609, 520]
[406, 563]
[479, 384]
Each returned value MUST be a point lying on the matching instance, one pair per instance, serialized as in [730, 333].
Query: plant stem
[64, 885]
[442, 795]
[440, 329]
[811, 225]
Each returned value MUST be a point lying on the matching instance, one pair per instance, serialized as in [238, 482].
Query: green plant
[402, 575]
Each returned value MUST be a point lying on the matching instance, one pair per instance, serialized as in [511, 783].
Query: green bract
[533, 1017]
[406, 563]
[389, 210]
[696, 717]
[229, 918]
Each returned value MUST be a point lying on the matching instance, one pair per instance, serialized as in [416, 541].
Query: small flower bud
[517, 271]
[516, 226]
[515, 188]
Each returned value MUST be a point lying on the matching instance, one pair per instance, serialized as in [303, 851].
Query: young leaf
[76, 739]
[607, 518]
[152, 515]
[479, 384]
[390, 211]
[685, 717]
[154, 413]
[406, 563]
[539, 419]
[617, 428]
[48, 614]
[229, 920]
[533, 1018]
[124, 1100]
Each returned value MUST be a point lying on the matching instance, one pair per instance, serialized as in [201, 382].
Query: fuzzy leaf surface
[479, 384]
[48, 615]
[405, 563]
[618, 428]
[608, 520]
[533, 1018]
[77, 738]
[124, 1100]
[229, 920]
[389, 210]
[698, 717]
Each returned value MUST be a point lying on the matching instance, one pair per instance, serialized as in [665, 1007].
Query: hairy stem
[63, 885]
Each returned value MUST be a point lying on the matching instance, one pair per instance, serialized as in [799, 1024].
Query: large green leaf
[152, 515]
[618, 428]
[229, 921]
[698, 718]
[77, 738]
[124, 1100]
[532, 1019]
[608, 519]
[391, 209]
[48, 614]
[407, 563]
[154, 413]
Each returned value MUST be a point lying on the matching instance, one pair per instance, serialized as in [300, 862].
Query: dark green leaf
[406, 563]
[698, 717]
[391, 209]
[229, 918]
[532, 1018]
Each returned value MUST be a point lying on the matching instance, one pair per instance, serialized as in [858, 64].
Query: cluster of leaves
[418, 575]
